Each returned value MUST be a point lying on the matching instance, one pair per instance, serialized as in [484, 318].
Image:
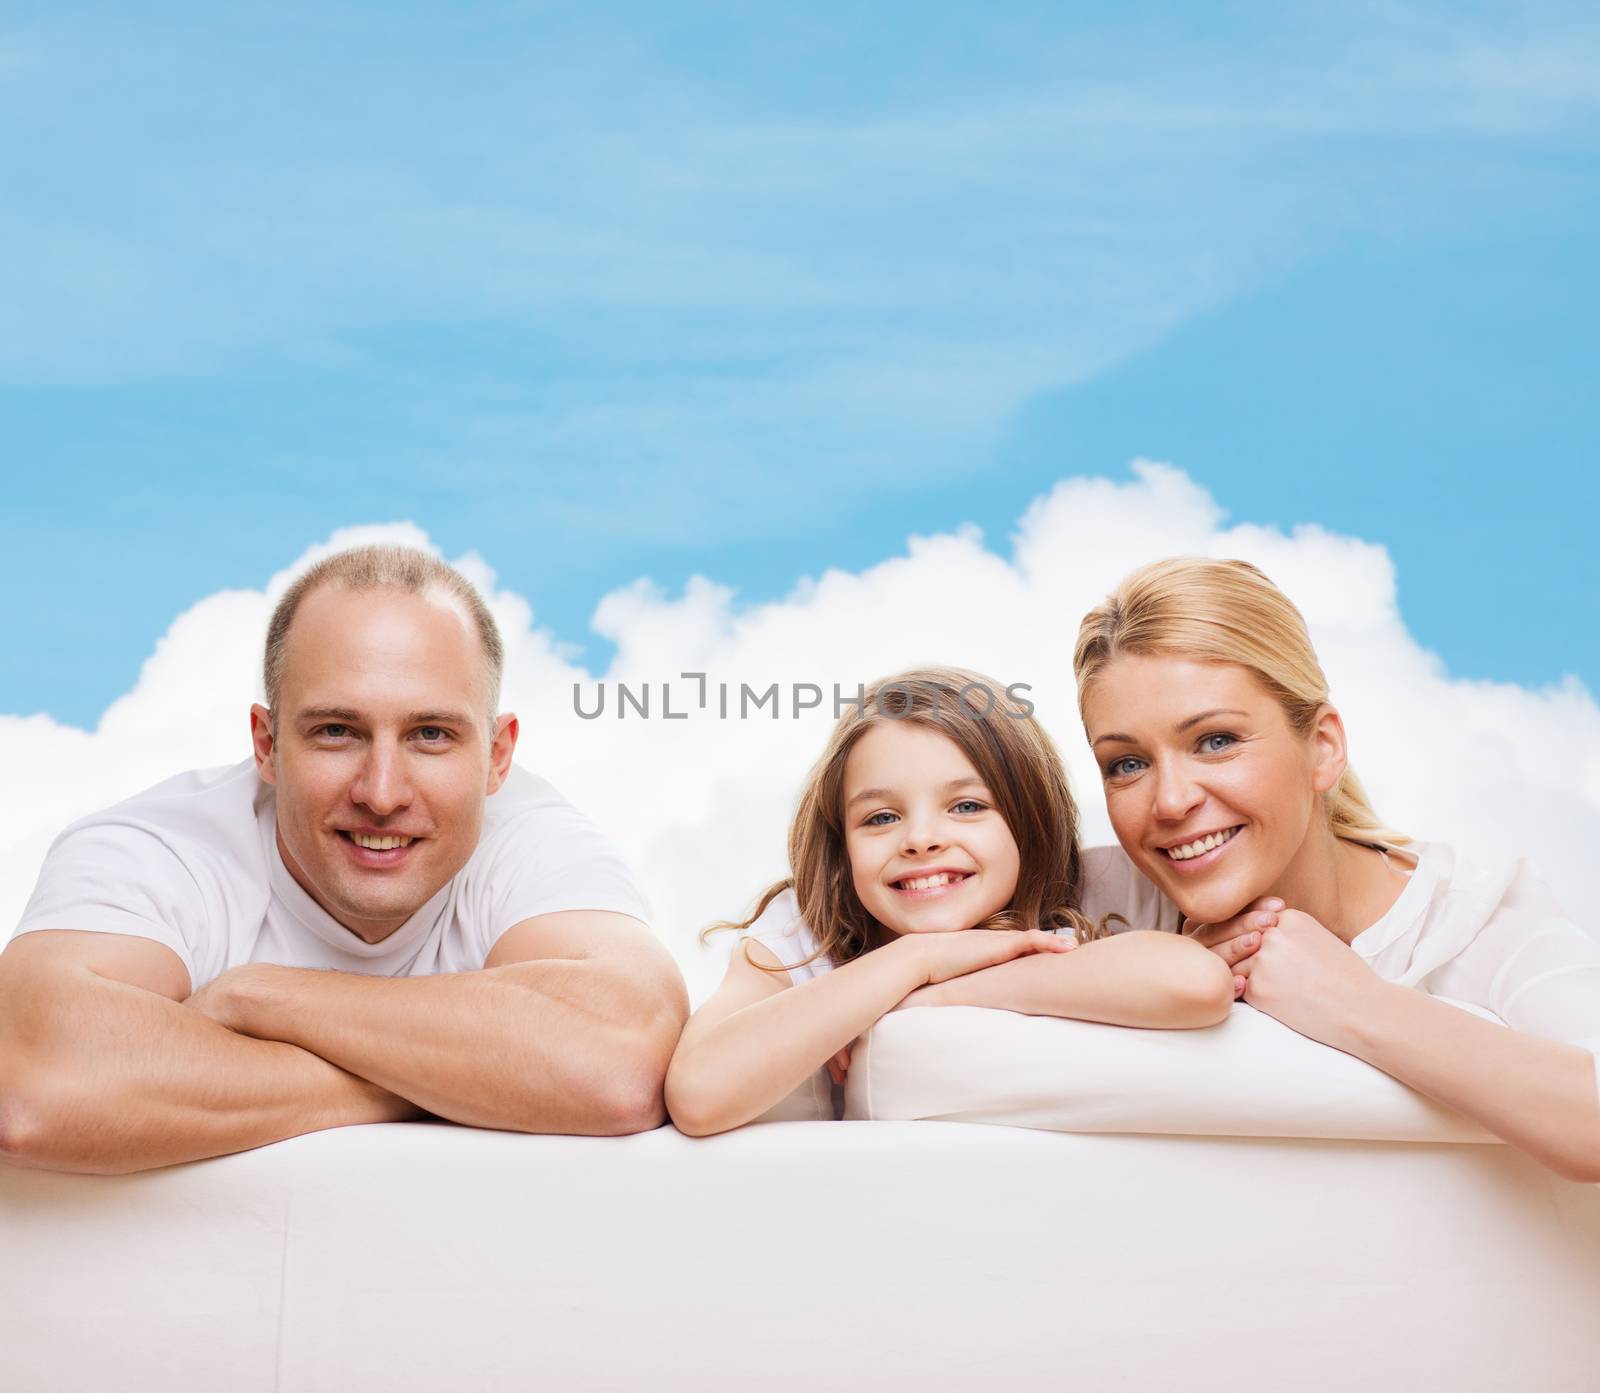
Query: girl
[1228, 786]
[934, 855]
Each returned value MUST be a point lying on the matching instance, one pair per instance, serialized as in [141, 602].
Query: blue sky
[635, 290]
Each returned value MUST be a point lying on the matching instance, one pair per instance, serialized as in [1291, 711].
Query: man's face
[384, 753]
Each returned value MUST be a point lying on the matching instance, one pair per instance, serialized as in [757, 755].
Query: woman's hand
[1307, 977]
[941, 956]
[1237, 938]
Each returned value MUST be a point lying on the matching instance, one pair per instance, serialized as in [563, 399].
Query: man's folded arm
[102, 1069]
[569, 1026]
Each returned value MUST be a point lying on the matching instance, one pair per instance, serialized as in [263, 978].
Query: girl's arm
[755, 1041]
[1139, 977]
[1538, 1094]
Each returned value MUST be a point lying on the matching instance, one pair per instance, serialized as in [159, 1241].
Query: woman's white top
[1490, 937]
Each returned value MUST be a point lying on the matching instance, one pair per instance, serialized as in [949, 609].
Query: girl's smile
[931, 884]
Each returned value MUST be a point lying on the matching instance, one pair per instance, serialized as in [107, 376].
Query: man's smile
[377, 850]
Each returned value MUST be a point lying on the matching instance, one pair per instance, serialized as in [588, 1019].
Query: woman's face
[1211, 793]
[929, 851]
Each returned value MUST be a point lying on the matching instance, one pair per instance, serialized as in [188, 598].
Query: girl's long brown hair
[1011, 753]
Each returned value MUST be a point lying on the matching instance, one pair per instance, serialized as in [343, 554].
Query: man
[377, 918]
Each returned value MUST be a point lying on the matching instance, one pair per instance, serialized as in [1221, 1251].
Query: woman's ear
[1330, 756]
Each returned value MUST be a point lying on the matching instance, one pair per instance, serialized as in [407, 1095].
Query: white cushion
[1247, 1077]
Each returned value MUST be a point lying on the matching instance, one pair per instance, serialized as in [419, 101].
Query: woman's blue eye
[1120, 768]
[1209, 746]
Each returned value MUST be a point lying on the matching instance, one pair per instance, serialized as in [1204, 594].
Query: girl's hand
[1237, 938]
[941, 956]
[923, 996]
[839, 1065]
[1307, 977]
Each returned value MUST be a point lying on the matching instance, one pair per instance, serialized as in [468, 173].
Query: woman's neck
[1344, 886]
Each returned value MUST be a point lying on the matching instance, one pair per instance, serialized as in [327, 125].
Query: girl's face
[1211, 792]
[929, 851]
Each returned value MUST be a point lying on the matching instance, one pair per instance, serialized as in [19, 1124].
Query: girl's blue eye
[969, 805]
[873, 820]
[1209, 746]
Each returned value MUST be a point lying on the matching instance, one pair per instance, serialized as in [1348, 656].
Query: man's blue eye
[433, 734]
[336, 732]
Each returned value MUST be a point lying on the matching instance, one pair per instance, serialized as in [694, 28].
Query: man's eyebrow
[412, 718]
[437, 718]
[950, 787]
[1120, 738]
[327, 713]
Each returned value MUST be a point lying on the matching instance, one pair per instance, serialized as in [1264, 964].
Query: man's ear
[261, 741]
[501, 745]
[1331, 756]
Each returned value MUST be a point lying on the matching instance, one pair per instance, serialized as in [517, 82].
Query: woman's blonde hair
[1226, 612]
[1011, 754]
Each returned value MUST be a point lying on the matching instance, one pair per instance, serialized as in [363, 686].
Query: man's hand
[225, 998]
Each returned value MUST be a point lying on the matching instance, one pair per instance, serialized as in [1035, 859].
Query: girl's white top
[1490, 936]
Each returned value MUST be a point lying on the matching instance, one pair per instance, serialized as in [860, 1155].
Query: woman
[1227, 782]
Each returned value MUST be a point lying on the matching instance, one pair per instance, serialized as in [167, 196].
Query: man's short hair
[382, 568]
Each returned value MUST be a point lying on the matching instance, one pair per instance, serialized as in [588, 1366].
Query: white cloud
[701, 805]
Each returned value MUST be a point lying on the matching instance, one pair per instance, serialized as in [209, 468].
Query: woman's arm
[1139, 978]
[760, 1036]
[1539, 1095]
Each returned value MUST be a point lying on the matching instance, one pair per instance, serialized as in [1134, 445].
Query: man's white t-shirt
[194, 863]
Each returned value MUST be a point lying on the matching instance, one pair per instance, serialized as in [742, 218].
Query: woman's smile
[1195, 854]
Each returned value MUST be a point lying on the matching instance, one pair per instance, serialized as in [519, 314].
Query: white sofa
[808, 1255]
